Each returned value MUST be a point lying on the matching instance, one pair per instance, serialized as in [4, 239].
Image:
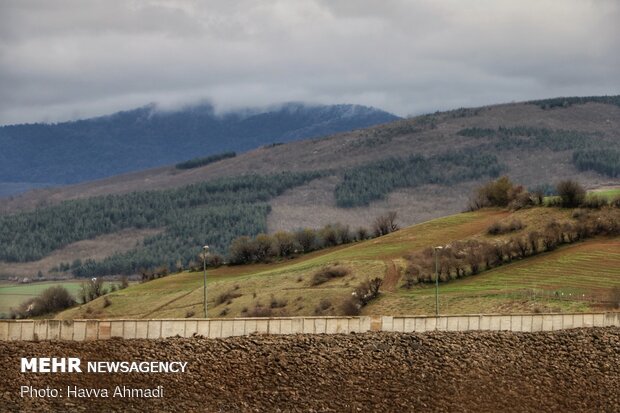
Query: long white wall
[80, 330]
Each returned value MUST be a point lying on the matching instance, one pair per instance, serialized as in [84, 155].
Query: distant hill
[77, 151]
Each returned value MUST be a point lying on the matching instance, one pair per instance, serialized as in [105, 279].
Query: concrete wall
[80, 330]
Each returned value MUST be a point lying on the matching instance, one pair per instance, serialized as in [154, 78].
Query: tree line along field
[588, 270]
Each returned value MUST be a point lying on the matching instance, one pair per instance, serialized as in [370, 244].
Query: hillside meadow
[575, 277]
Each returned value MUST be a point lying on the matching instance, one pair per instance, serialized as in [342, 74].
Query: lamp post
[435, 249]
[205, 250]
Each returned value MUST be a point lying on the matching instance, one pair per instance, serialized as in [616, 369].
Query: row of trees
[267, 248]
[463, 258]
[374, 181]
[502, 192]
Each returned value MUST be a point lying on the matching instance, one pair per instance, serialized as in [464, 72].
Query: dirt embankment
[573, 370]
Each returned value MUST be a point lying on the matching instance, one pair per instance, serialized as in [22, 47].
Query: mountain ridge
[147, 137]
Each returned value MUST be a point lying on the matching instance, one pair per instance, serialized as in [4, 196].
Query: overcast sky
[63, 60]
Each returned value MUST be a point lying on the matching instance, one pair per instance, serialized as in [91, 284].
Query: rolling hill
[575, 277]
[423, 167]
[70, 152]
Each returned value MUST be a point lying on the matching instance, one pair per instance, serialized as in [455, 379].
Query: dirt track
[573, 370]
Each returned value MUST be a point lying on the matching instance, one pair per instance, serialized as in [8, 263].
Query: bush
[571, 193]
[227, 297]
[327, 273]
[285, 243]
[260, 311]
[307, 239]
[496, 193]
[384, 224]
[277, 303]
[91, 289]
[362, 234]
[242, 250]
[51, 300]
[214, 260]
[363, 294]
[595, 202]
[498, 228]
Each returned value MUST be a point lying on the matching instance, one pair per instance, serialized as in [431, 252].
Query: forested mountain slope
[77, 151]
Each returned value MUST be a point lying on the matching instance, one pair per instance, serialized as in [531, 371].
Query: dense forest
[210, 212]
[564, 102]
[375, 180]
[603, 161]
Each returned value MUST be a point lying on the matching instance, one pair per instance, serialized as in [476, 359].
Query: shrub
[327, 273]
[91, 289]
[214, 260]
[260, 311]
[51, 300]
[363, 294]
[412, 275]
[106, 302]
[242, 250]
[277, 303]
[571, 193]
[307, 239]
[285, 243]
[362, 234]
[227, 297]
[384, 224]
[496, 193]
[498, 228]
[595, 202]
[329, 235]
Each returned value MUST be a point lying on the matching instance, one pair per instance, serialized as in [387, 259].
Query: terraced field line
[168, 303]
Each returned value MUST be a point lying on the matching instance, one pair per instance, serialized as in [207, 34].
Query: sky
[69, 59]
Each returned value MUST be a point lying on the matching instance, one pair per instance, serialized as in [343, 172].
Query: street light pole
[435, 249]
[205, 250]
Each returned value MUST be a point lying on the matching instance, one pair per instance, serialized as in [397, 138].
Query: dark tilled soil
[573, 370]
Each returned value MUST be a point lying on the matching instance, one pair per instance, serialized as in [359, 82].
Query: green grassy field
[607, 193]
[11, 294]
[589, 268]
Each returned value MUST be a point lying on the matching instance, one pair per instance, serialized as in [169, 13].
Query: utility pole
[435, 249]
[205, 250]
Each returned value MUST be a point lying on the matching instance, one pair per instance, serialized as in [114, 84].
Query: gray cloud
[69, 58]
